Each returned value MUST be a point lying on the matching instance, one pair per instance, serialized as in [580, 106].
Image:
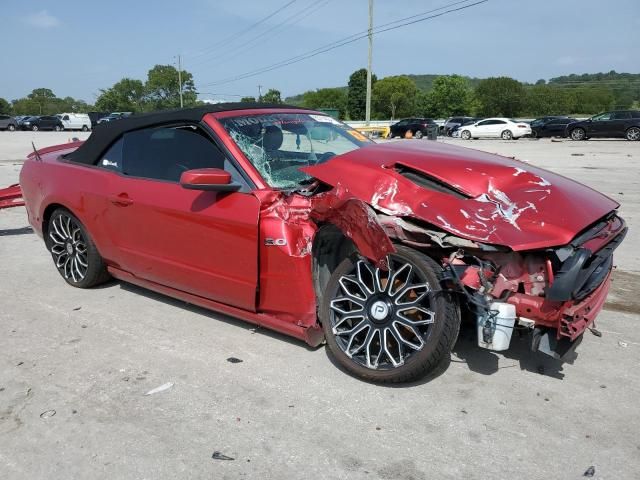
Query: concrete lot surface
[75, 365]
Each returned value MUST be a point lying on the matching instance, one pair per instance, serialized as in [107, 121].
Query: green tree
[500, 96]
[163, 89]
[450, 95]
[248, 99]
[357, 94]
[394, 97]
[5, 107]
[128, 95]
[543, 99]
[272, 96]
[42, 98]
[326, 98]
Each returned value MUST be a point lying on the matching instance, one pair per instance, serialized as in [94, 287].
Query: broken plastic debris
[47, 414]
[161, 388]
[234, 360]
[623, 344]
[220, 456]
[591, 471]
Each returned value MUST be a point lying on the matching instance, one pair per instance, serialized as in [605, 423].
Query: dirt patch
[624, 295]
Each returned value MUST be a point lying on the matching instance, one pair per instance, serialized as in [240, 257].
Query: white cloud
[42, 19]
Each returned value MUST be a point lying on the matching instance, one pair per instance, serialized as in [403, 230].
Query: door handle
[121, 200]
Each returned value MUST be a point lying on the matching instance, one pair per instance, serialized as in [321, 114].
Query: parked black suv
[45, 122]
[551, 126]
[617, 124]
[419, 127]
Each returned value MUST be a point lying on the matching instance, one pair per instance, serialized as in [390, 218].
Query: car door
[599, 126]
[201, 242]
[618, 124]
[482, 129]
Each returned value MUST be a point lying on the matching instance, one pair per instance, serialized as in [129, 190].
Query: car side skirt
[310, 335]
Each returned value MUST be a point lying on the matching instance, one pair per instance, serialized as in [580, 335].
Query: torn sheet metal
[474, 195]
[11, 197]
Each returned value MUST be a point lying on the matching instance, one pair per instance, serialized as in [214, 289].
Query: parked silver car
[8, 123]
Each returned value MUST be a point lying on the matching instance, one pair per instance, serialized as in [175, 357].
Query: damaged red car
[292, 220]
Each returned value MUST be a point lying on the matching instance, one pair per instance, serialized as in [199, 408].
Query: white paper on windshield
[325, 119]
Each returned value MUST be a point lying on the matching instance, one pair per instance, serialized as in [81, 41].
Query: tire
[359, 317]
[632, 134]
[70, 246]
[58, 128]
[506, 135]
[465, 135]
[418, 134]
[34, 128]
[578, 134]
[11, 128]
[85, 128]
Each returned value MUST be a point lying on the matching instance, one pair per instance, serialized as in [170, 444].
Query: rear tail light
[522, 126]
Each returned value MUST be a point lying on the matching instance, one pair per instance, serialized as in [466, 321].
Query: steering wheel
[325, 156]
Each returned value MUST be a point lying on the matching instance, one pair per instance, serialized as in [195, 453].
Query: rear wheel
[11, 128]
[465, 135]
[578, 134]
[389, 326]
[418, 134]
[85, 128]
[506, 135]
[57, 128]
[34, 128]
[74, 253]
[633, 134]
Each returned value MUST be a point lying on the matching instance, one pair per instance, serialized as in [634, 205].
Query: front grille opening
[428, 182]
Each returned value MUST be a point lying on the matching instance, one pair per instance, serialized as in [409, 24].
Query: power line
[302, 14]
[350, 39]
[234, 36]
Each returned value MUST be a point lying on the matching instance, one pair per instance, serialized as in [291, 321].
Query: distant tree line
[392, 97]
[448, 95]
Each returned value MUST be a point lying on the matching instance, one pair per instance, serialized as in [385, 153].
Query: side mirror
[213, 179]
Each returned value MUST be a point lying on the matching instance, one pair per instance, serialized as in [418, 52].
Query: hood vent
[428, 182]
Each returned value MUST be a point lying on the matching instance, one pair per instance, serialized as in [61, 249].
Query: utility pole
[180, 80]
[259, 93]
[368, 106]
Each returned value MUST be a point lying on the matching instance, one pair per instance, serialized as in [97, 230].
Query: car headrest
[272, 139]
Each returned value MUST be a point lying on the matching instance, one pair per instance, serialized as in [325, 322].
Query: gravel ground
[75, 365]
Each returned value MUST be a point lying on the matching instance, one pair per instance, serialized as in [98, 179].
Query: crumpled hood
[471, 194]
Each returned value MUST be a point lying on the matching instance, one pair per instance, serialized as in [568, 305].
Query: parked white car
[75, 121]
[504, 128]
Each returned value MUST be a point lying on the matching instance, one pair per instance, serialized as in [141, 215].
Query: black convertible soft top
[107, 133]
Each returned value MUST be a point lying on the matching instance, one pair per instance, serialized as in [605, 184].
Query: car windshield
[279, 144]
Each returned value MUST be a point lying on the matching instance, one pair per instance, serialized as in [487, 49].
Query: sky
[77, 48]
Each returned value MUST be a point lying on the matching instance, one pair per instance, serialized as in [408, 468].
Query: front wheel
[418, 134]
[11, 128]
[34, 128]
[633, 134]
[465, 135]
[578, 134]
[58, 128]
[389, 326]
[506, 135]
[85, 128]
[74, 253]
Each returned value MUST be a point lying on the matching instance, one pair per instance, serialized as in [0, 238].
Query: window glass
[502, 122]
[485, 122]
[635, 114]
[621, 115]
[601, 117]
[66, 117]
[279, 144]
[165, 153]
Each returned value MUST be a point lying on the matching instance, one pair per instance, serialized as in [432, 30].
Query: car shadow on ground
[487, 362]
[216, 316]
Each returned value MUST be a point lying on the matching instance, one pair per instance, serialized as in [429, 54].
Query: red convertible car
[292, 220]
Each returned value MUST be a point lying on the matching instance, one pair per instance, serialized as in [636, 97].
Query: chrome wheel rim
[577, 134]
[418, 134]
[466, 135]
[506, 135]
[633, 134]
[380, 319]
[69, 248]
